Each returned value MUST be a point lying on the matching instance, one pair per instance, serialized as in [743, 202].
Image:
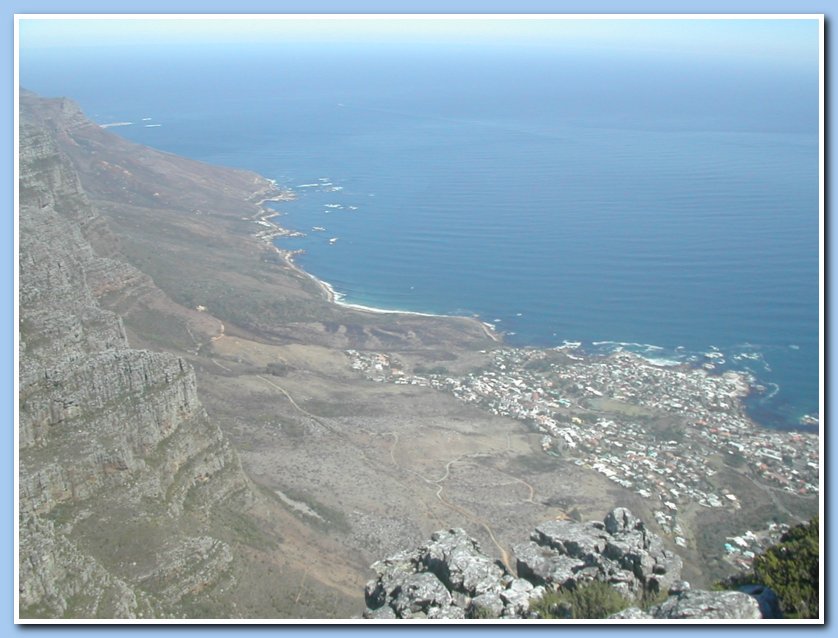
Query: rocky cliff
[450, 578]
[120, 467]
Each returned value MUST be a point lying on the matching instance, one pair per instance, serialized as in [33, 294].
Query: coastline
[285, 386]
[265, 216]
[750, 388]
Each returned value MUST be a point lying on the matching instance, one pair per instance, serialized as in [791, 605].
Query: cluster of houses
[741, 550]
[663, 431]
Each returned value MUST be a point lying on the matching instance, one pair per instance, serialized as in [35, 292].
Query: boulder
[392, 573]
[450, 578]
[419, 592]
[458, 562]
[441, 580]
[701, 604]
[451, 612]
[518, 595]
[487, 606]
[668, 571]
[620, 550]
[632, 613]
[769, 604]
[621, 520]
[544, 565]
[574, 539]
[382, 613]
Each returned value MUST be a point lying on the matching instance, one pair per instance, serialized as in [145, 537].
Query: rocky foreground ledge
[450, 578]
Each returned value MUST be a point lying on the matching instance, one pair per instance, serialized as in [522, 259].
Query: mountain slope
[132, 502]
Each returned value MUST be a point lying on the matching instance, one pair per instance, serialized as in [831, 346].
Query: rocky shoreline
[273, 230]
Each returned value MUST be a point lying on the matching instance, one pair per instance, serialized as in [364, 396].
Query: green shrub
[278, 369]
[790, 568]
[596, 599]
[652, 598]
[483, 613]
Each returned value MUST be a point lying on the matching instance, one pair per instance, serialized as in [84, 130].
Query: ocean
[661, 204]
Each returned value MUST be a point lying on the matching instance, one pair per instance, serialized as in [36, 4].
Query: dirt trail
[436, 482]
[294, 403]
[199, 345]
[439, 495]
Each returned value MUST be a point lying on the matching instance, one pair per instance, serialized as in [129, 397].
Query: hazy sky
[788, 39]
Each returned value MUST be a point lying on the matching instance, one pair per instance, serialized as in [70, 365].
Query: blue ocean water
[663, 205]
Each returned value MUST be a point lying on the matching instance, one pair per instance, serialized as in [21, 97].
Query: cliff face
[120, 468]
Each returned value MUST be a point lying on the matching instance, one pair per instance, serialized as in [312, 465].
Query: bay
[665, 206]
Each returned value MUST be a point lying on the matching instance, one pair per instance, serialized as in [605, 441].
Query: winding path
[200, 345]
[294, 403]
[437, 482]
[460, 510]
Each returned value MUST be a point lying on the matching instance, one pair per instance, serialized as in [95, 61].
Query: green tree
[791, 569]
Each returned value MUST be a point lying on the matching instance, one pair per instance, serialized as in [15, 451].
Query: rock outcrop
[450, 578]
[619, 551]
[700, 605]
[119, 462]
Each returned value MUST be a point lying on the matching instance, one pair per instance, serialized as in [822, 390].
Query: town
[662, 431]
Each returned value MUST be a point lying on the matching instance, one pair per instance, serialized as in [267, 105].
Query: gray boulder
[419, 592]
[701, 604]
[545, 565]
[487, 606]
[619, 548]
[443, 579]
[571, 538]
[382, 613]
[451, 612]
[518, 596]
[458, 562]
[450, 578]
[769, 604]
[678, 587]
[620, 551]
[392, 573]
[621, 520]
[632, 613]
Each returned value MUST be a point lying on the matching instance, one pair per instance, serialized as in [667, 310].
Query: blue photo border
[12, 7]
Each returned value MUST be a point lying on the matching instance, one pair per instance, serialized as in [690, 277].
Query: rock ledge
[450, 578]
